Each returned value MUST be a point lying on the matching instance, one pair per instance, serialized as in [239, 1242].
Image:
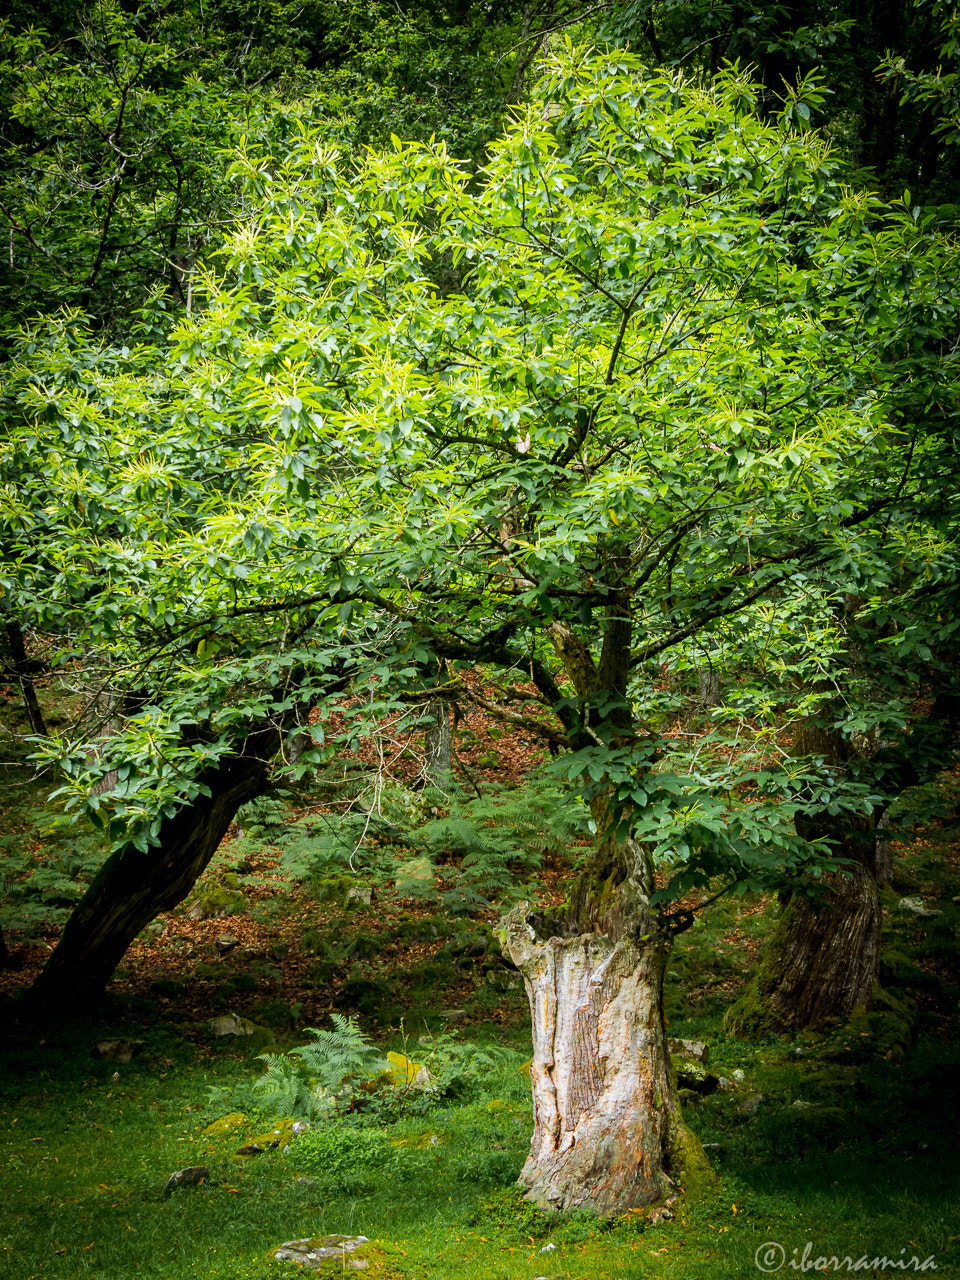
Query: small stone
[115, 1077]
[752, 1105]
[547, 1248]
[737, 1076]
[228, 1025]
[192, 1176]
[226, 943]
[696, 1049]
[453, 1015]
[800, 1105]
[117, 1050]
[313, 1252]
[915, 907]
[359, 893]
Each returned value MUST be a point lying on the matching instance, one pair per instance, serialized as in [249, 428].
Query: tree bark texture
[24, 672]
[438, 765]
[820, 964]
[132, 887]
[607, 1126]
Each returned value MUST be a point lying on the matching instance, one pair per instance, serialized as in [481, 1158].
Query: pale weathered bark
[608, 1134]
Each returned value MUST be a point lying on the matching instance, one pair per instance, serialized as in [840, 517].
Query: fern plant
[311, 1081]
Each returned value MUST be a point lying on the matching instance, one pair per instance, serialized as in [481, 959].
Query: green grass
[84, 1159]
[865, 1167]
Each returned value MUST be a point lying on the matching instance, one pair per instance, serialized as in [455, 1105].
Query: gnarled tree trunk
[132, 888]
[821, 962]
[608, 1134]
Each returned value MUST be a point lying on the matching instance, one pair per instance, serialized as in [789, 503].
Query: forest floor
[843, 1141]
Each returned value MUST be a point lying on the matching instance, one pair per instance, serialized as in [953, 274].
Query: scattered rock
[737, 1076]
[280, 1136]
[227, 1025]
[752, 1104]
[504, 980]
[226, 1124]
[226, 943]
[315, 1251]
[359, 893]
[692, 1074]
[698, 1050]
[547, 1248]
[916, 907]
[453, 1015]
[192, 1176]
[118, 1050]
[800, 1105]
[403, 1071]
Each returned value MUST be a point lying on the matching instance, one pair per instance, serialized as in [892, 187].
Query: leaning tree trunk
[132, 888]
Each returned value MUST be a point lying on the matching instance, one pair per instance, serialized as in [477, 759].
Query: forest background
[491, 469]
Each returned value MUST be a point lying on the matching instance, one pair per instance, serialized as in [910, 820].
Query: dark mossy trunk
[25, 672]
[132, 888]
[823, 959]
[821, 962]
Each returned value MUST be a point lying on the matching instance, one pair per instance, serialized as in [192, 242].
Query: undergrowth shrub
[344, 1158]
[311, 1080]
[39, 888]
[479, 848]
[342, 1071]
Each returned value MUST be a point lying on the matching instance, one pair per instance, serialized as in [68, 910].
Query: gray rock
[359, 893]
[192, 1176]
[117, 1050]
[501, 980]
[694, 1075]
[227, 1025]
[915, 907]
[752, 1104]
[698, 1050]
[226, 943]
[315, 1251]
